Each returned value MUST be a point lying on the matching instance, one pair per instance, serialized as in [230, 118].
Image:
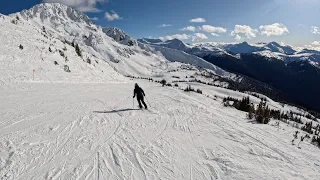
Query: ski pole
[132, 103]
[148, 101]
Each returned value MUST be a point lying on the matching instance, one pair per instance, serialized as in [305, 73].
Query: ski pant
[141, 100]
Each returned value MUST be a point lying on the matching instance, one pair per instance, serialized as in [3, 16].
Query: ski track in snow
[91, 131]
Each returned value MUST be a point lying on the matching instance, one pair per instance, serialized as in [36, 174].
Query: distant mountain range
[295, 73]
[272, 49]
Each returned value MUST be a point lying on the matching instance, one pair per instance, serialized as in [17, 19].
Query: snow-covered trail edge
[92, 131]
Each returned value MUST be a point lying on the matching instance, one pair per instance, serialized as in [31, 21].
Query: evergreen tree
[89, 61]
[259, 113]
[78, 51]
[263, 113]
[316, 140]
[163, 82]
[244, 104]
[251, 111]
[266, 115]
[307, 127]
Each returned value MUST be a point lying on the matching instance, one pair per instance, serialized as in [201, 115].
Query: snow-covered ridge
[245, 47]
[199, 50]
[47, 31]
[119, 36]
[55, 13]
[270, 50]
[181, 56]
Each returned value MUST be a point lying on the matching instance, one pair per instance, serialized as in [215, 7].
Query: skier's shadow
[115, 111]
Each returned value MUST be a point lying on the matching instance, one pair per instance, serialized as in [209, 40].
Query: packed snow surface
[93, 131]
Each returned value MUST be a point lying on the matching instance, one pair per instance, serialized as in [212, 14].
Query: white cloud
[244, 30]
[112, 16]
[315, 43]
[315, 30]
[165, 25]
[238, 38]
[94, 19]
[189, 28]
[199, 37]
[301, 26]
[175, 36]
[212, 29]
[214, 34]
[275, 29]
[81, 5]
[198, 20]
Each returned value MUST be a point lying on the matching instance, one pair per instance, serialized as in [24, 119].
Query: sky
[293, 22]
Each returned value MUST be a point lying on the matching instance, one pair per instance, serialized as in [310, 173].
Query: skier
[140, 95]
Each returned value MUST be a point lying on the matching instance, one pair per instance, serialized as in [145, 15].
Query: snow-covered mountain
[244, 47]
[272, 49]
[49, 33]
[276, 60]
[174, 44]
[119, 36]
[308, 51]
[200, 50]
[150, 40]
[55, 14]
[240, 48]
[275, 47]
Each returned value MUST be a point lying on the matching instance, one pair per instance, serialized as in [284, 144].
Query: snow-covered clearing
[92, 131]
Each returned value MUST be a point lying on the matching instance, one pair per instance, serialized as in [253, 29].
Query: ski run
[92, 131]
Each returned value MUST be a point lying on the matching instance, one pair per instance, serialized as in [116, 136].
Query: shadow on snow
[116, 111]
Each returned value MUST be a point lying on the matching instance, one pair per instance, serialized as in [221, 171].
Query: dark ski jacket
[138, 92]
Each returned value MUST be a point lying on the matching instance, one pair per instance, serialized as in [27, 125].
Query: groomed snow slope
[92, 131]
